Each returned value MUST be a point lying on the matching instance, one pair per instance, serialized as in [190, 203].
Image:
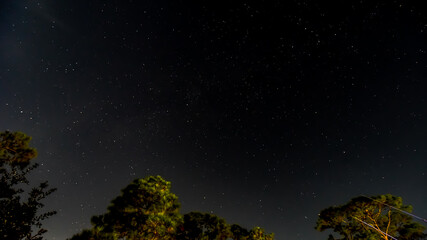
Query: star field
[262, 113]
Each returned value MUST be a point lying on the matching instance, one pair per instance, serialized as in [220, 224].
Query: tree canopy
[203, 226]
[19, 210]
[206, 226]
[147, 209]
[371, 218]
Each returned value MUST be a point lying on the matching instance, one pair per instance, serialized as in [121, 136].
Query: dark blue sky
[262, 113]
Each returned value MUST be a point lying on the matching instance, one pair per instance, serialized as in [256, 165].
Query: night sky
[263, 113]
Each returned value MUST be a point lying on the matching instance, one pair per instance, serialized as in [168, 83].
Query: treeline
[147, 209]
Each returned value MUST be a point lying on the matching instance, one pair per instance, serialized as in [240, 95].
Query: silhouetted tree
[238, 232]
[371, 218]
[19, 210]
[203, 226]
[206, 226]
[86, 235]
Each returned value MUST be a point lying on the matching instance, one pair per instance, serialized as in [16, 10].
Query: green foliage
[15, 150]
[258, 233]
[19, 210]
[350, 220]
[146, 209]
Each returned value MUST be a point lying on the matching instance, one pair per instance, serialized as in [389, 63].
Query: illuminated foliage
[146, 209]
[371, 218]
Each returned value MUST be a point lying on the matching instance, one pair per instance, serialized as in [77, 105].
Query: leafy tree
[146, 209]
[19, 217]
[238, 232]
[371, 218]
[206, 226]
[203, 226]
[258, 233]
